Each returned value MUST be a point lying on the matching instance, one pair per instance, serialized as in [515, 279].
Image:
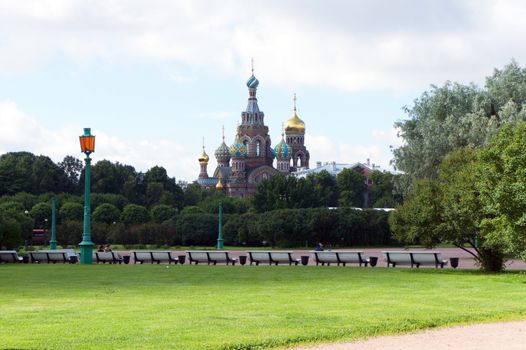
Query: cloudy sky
[152, 77]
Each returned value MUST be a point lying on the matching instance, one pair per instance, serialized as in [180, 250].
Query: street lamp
[220, 233]
[87, 146]
[53, 242]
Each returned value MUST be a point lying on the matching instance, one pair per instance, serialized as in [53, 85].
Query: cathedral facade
[251, 158]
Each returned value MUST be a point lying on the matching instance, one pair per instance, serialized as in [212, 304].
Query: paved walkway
[488, 336]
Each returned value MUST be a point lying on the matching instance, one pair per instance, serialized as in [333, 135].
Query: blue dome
[283, 151]
[252, 82]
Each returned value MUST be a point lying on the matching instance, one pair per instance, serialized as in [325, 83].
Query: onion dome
[272, 153]
[203, 158]
[238, 149]
[295, 124]
[283, 151]
[222, 153]
[252, 82]
[219, 185]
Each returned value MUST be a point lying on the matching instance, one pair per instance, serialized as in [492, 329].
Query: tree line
[122, 197]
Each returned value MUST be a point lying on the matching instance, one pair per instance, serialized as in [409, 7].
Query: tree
[106, 213]
[16, 172]
[47, 176]
[463, 212]
[10, 232]
[275, 192]
[381, 193]
[448, 210]
[41, 214]
[72, 168]
[133, 214]
[351, 186]
[415, 221]
[162, 212]
[502, 186]
[325, 187]
[455, 116]
[71, 211]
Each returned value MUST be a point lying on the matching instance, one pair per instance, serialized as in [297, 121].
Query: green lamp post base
[86, 252]
[53, 244]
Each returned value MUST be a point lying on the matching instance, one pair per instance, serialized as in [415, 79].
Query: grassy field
[219, 307]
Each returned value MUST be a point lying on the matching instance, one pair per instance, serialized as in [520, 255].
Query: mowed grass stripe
[241, 307]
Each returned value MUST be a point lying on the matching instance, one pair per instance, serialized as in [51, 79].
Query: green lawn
[241, 307]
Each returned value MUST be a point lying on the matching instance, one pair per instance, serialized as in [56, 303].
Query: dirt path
[487, 336]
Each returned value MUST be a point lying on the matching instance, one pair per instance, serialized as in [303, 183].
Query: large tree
[351, 186]
[449, 210]
[502, 186]
[454, 116]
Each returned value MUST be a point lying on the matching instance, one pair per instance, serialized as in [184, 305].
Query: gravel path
[486, 336]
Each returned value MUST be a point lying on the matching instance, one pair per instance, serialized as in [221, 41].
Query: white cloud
[21, 132]
[346, 44]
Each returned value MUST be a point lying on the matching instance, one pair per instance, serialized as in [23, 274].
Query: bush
[106, 213]
[134, 214]
[162, 212]
[71, 211]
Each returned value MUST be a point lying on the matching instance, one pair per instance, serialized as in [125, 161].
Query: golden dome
[219, 185]
[295, 124]
[203, 158]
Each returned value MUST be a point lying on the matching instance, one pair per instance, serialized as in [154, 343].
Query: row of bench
[393, 258]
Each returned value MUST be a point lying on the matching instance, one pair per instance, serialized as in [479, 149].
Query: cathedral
[250, 158]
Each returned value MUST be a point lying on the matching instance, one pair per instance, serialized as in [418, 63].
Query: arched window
[246, 146]
[258, 148]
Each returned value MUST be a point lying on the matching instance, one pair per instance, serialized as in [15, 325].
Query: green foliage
[106, 213]
[502, 185]
[192, 209]
[69, 232]
[71, 211]
[98, 199]
[456, 116]
[162, 212]
[25, 172]
[210, 204]
[289, 192]
[351, 186]
[325, 188]
[381, 194]
[72, 168]
[196, 229]
[10, 232]
[415, 221]
[449, 210]
[41, 214]
[133, 214]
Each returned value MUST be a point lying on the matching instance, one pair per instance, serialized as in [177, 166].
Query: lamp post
[220, 233]
[53, 242]
[87, 146]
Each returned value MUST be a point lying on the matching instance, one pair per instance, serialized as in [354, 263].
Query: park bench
[414, 258]
[272, 257]
[210, 257]
[153, 257]
[352, 257]
[9, 256]
[50, 256]
[340, 257]
[107, 257]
